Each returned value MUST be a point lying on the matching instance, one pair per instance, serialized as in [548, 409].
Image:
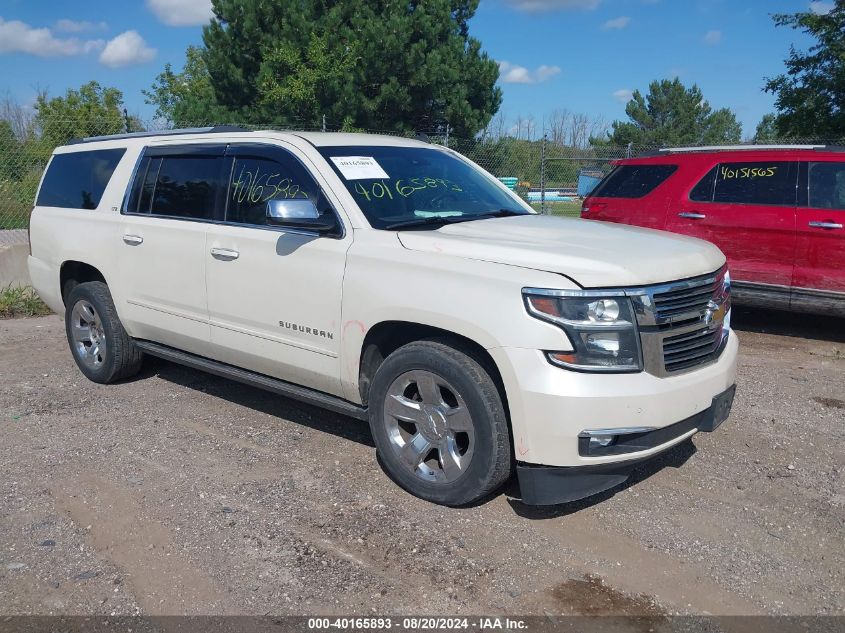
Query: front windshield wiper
[451, 219]
[408, 224]
[501, 213]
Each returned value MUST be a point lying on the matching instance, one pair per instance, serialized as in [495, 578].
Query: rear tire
[439, 424]
[102, 349]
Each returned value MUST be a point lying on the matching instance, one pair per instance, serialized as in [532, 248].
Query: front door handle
[226, 254]
[825, 225]
[133, 240]
[691, 215]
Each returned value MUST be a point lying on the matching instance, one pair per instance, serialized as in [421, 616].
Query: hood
[593, 254]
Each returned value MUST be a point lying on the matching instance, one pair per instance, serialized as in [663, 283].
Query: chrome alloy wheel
[429, 426]
[89, 338]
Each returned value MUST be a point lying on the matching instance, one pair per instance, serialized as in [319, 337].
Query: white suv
[394, 281]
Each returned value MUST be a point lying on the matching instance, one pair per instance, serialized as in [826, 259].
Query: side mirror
[298, 214]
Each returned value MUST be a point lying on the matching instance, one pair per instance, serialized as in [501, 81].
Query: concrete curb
[14, 249]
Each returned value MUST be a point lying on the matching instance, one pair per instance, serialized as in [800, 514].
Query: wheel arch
[73, 272]
[385, 337]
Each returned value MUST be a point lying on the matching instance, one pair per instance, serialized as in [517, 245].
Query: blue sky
[579, 55]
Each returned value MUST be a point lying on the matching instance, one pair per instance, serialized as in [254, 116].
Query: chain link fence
[553, 178]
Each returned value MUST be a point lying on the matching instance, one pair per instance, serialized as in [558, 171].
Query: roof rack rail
[188, 130]
[746, 148]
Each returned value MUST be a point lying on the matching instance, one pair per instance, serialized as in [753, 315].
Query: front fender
[478, 300]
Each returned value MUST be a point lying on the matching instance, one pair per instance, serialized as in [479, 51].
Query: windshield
[415, 186]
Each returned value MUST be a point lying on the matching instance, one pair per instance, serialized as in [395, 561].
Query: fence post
[629, 150]
[543, 176]
[324, 123]
[447, 135]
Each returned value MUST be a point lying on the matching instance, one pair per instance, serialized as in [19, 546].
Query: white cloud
[126, 49]
[546, 72]
[515, 74]
[821, 8]
[181, 12]
[540, 6]
[72, 26]
[712, 37]
[20, 37]
[623, 95]
[616, 23]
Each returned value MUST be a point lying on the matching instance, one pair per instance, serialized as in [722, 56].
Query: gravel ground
[182, 493]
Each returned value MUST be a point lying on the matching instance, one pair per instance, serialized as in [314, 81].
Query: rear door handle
[691, 215]
[226, 254]
[825, 225]
[133, 240]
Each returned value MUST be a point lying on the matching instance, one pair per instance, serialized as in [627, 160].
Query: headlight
[602, 330]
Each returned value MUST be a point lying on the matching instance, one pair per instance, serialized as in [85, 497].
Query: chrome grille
[674, 303]
[681, 323]
[683, 351]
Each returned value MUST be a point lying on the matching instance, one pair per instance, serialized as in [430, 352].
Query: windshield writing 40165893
[257, 186]
[403, 187]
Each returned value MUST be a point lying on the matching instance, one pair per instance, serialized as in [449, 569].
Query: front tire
[439, 424]
[102, 349]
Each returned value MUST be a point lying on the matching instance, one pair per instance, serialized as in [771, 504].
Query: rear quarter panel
[648, 211]
[91, 236]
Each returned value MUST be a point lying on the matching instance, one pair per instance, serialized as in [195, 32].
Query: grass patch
[15, 203]
[17, 221]
[13, 217]
[568, 209]
[21, 301]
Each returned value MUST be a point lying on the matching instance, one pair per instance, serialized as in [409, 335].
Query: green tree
[90, 111]
[810, 97]
[307, 83]
[372, 64]
[186, 98]
[10, 158]
[671, 114]
[19, 177]
[766, 129]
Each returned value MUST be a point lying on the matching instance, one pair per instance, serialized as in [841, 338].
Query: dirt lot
[182, 493]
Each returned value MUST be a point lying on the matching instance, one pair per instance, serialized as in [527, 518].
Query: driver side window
[254, 181]
[827, 185]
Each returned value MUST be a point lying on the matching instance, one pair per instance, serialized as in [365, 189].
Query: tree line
[413, 66]
[401, 68]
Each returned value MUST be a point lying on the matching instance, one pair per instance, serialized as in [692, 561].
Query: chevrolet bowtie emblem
[713, 309]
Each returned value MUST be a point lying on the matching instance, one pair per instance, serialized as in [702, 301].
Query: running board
[286, 389]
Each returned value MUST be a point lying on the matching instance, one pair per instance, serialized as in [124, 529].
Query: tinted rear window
[703, 191]
[77, 180]
[186, 187]
[633, 181]
[756, 183]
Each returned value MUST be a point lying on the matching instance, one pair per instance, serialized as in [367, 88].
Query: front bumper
[550, 406]
[548, 485]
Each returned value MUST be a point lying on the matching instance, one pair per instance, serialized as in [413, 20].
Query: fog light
[600, 441]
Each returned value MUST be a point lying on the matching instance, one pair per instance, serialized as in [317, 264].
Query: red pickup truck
[777, 212]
